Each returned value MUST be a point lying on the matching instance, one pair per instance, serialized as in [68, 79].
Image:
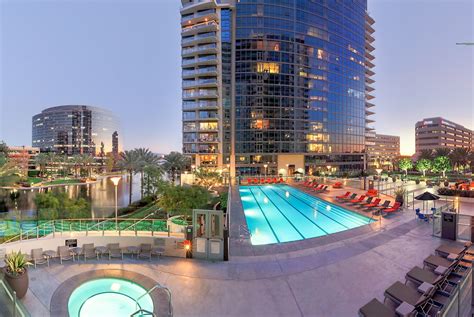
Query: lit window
[260, 124]
[272, 68]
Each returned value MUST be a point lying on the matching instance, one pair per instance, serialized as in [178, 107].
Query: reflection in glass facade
[74, 130]
[301, 83]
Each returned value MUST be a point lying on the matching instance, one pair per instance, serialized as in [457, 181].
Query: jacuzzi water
[108, 297]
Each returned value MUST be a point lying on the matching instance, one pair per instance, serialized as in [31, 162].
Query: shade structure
[427, 196]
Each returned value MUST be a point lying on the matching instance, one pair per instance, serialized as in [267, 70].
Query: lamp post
[265, 166]
[379, 171]
[116, 180]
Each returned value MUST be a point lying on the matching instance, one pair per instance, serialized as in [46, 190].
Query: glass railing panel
[9, 305]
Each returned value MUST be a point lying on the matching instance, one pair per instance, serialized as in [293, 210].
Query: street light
[379, 171]
[116, 180]
[265, 165]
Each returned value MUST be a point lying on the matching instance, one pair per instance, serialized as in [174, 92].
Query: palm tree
[3, 149]
[87, 162]
[175, 163]
[459, 157]
[426, 155]
[42, 160]
[76, 163]
[442, 151]
[146, 158]
[130, 161]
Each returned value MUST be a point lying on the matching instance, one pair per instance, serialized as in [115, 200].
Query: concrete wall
[291, 159]
[173, 245]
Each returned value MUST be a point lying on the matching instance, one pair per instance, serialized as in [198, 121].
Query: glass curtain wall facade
[299, 80]
[71, 130]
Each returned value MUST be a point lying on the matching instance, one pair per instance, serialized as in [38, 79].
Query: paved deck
[334, 279]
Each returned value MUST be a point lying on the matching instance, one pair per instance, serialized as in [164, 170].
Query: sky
[125, 56]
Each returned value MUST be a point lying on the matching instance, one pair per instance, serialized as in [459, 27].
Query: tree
[3, 149]
[442, 152]
[459, 157]
[423, 165]
[153, 181]
[426, 155]
[441, 164]
[130, 161]
[41, 160]
[175, 163]
[146, 158]
[405, 164]
[206, 178]
[8, 172]
[177, 200]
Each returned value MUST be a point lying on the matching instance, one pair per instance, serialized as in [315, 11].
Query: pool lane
[284, 230]
[260, 230]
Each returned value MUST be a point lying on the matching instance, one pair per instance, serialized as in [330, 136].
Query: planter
[18, 283]
[417, 181]
[446, 184]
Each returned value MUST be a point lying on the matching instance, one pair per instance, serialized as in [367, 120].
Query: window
[272, 68]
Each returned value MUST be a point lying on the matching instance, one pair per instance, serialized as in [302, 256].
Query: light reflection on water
[100, 194]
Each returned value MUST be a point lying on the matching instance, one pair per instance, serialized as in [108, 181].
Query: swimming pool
[108, 297]
[281, 213]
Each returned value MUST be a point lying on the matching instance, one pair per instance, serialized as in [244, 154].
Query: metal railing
[95, 226]
[157, 286]
[9, 304]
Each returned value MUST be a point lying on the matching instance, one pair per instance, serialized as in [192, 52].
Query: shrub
[456, 192]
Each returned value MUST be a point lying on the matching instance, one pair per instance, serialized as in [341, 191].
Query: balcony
[198, 17]
[205, 93]
[369, 80]
[211, 82]
[369, 72]
[206, 71]
[369, 56]
[369, 104]
[205, 60]
[200, 27]
[369, 88]
[201, 49]
[203, 104]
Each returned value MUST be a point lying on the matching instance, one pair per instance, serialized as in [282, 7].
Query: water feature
[100, 194]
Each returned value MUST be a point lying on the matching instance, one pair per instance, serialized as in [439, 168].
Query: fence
[9, 304]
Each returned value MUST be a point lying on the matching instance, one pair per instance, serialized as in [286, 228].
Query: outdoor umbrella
[427, 196]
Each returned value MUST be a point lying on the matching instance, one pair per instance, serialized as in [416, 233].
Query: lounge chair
[337, 185]
[65, 254]
[37, 257]
[372, 205]
[357, 200]
[396, 207]
[399, 293]
[375, 308]
[275, 181]
[145, 251]
[114, 251]
[249, 181]
[88, 251]
[281, 180]
[343, 196]
[363, 203]
[348, 198]
[445, 281]
[385, 205]
[433, 261]
[372, 193]
[255, 181]
[318, 187]
[323, 189]
[262, 180]
[444, 250]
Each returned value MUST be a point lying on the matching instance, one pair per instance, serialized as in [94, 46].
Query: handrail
[135, 223]
[157, 286]
[28, 231]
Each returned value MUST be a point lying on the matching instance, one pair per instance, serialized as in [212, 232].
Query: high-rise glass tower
[291, 88]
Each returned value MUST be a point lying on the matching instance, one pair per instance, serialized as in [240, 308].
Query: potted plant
[417, 181]
[400, 195]
[394, 179]
[446, 183]
[16, 273]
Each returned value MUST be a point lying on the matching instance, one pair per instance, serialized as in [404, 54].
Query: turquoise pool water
[281, 213]
[107, 297]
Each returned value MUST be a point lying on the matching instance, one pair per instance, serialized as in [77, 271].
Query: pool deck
[329, 276]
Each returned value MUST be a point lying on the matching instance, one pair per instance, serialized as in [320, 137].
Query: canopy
[427, 196]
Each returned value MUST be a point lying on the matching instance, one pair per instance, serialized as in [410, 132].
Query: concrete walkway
[333, 279]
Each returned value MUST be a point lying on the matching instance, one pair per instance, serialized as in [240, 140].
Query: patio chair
[88, 251]
[65, 254]
[385, 205]
[396, 207]
[375, 308]
[114, 251]
[433, 261]
[37, 257]
[145, 251]
[372, 205]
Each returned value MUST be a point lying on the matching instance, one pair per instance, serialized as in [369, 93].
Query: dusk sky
[125, 56]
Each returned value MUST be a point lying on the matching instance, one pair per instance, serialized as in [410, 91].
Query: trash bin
[448, 225]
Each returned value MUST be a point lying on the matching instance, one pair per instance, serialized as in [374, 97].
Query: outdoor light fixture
[115, 180]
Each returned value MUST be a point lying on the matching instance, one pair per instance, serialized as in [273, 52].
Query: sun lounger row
[89, 251]
[257, 181]
[368, 203]
[426, 290]
[315, 186]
